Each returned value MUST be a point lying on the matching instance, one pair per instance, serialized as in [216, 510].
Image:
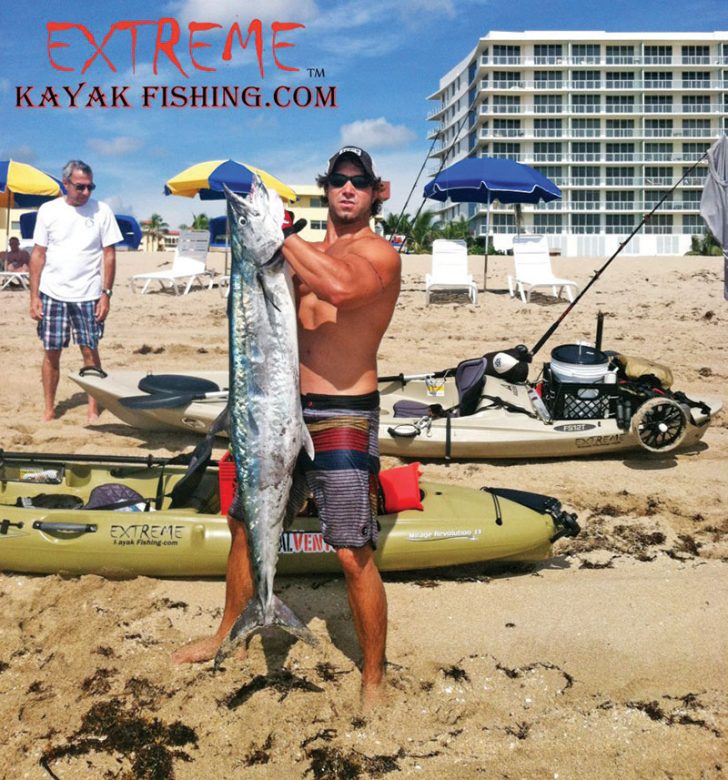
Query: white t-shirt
[74, 237]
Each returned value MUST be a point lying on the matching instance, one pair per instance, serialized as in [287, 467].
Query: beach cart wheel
[660, 424]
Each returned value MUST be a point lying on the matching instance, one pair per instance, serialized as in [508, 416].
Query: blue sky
[382, 57]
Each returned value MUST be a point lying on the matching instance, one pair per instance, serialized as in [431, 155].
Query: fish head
[255, 221]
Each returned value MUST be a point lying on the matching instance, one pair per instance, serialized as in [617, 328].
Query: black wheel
[660, 424]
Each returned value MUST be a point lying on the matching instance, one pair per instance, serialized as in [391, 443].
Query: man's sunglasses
[82, 187]
[360, 181]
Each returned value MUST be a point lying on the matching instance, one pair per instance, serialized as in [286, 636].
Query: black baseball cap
[363, 158]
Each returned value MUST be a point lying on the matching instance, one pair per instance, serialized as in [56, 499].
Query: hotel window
[659, 223]
[553, 172]
[509, 150]
[545, 151]
[585, 200]
[657, 176]
[506, 79]
[585, 104]
[658, 79]
[694, 224]
[547, 128]
[691, 198]
[696, 55]
[658, 128]
[585, 176]
[696, 79]
[620, 152]
[585, 151]
[317, 224]
[620, 223]
[658, 104]
[696, 128]
[585, 223]
[585, 53]
[657, 151]
[620, 128]
[547, 223]
[548, 79]
[620, 79]
[620, 55]
[694, 151]
[620, 104]
[506, 104]
[504, 223]
[548, 104]
[621, 200]
[585, 128]
[620, 177]
[506, 55]
[653, 197]
[507, 128]
[695, 104]
[547, 53]
[585, 79]
[658, 55]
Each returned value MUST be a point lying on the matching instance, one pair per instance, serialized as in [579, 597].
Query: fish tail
[253, 619]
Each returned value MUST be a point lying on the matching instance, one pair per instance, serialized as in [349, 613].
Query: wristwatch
[108, 292]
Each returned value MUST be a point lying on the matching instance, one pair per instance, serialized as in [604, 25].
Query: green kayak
[53, 522]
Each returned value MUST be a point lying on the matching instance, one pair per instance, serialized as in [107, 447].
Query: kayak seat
[469, 381]
[170, 384]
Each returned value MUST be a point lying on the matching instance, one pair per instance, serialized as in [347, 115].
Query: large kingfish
[267, 431]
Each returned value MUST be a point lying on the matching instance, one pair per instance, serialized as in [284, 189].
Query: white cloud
[244, 11]
[22, 153]
[115, 147]
[375, 134]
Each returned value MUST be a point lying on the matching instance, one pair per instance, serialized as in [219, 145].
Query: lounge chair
[450, 270]
[188, 267]
[533, 270]
[13, 278]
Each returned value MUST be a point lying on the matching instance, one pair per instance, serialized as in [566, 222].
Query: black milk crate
[577, 400]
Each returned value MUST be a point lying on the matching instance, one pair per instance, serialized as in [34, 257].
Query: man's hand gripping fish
[266, 423]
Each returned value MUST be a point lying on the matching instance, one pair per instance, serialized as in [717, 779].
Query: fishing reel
[660, 424]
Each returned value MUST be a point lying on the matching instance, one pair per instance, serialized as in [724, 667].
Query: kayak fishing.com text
[186, 96]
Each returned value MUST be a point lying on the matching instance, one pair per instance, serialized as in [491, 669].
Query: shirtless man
[16, 259]
[346, 290]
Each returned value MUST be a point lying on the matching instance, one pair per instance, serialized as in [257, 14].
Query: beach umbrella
[714, 201]
[24, 186]
[206, 180]
[485, 179]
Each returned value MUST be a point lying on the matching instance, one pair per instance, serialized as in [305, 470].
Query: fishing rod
[442, 165]
[546, 336]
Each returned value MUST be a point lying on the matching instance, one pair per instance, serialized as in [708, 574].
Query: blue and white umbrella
[485, 179]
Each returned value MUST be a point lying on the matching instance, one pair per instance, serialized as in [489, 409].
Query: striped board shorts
[60, 318]
[343, 476]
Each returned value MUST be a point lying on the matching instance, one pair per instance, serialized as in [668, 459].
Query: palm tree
[200, 222]
[459, 229]
[154, 228]
[422, 233]
[396, 223]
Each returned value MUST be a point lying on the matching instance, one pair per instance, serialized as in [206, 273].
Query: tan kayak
[585, 421]
[51, 533]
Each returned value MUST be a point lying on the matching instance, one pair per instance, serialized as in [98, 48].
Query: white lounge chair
[13, 278]
[533, 270]
[450, 269]
[188, 267]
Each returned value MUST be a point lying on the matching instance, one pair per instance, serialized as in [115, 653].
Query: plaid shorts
[62, 317]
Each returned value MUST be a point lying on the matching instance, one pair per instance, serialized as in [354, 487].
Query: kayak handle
[67, 528]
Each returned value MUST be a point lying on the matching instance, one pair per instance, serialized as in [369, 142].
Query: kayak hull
[457, 526]
[490, 433]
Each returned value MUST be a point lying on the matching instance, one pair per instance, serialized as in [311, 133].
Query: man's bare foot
[92, 418]
[373, 695]
[201, 650]
[47, 416]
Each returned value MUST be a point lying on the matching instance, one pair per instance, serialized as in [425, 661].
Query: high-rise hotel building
[615, 119]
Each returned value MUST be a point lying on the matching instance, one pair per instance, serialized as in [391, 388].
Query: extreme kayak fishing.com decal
[189, 50]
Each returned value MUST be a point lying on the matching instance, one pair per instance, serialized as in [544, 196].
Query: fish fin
[307, 443]
[252, 619]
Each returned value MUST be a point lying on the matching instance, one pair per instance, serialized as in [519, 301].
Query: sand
[610, 660]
